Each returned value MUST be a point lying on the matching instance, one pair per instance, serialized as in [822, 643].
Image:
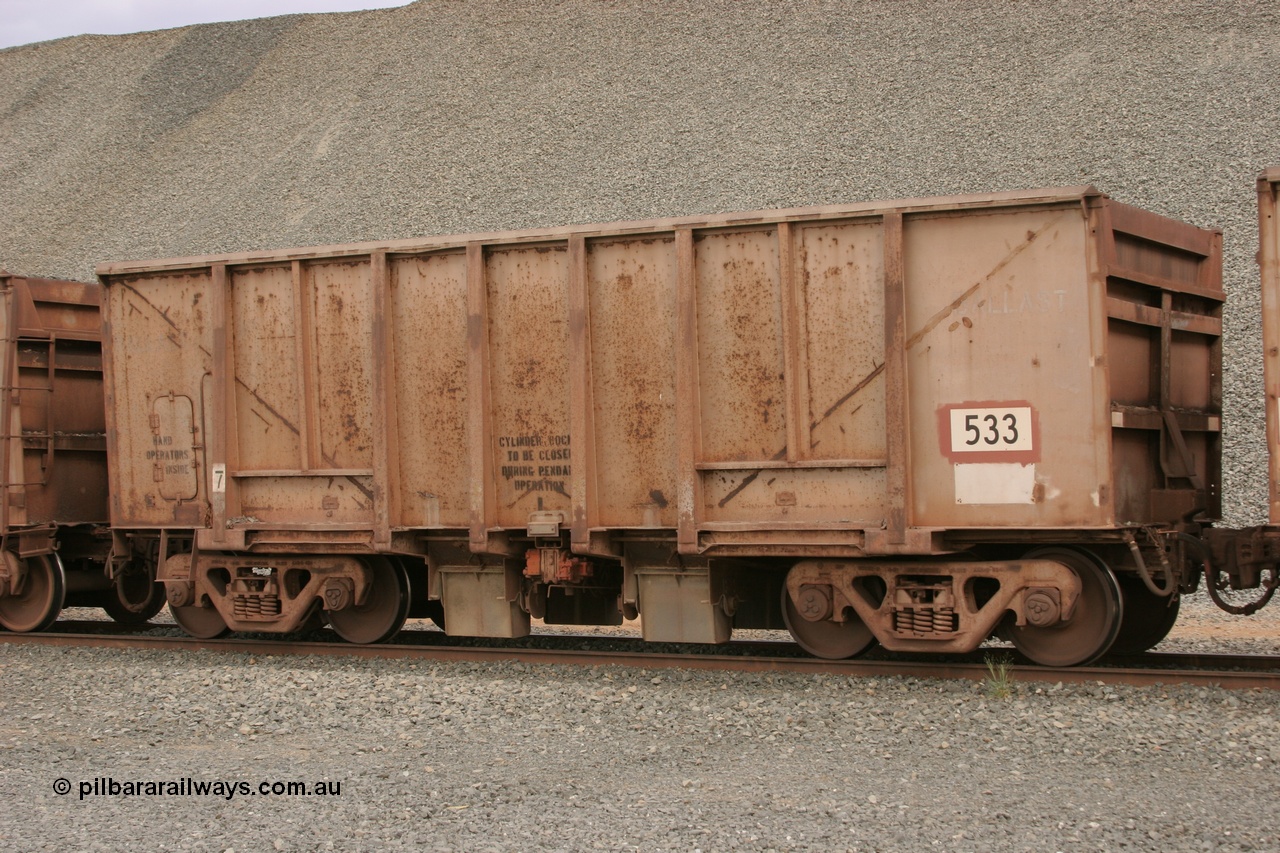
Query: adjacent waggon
[918, 423]
[55, 538]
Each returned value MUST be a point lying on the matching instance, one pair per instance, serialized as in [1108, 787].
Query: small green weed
[999, 679]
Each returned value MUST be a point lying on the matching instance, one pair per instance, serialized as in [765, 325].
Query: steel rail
[1227, 671]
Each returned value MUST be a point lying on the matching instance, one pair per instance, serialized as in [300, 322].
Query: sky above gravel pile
[27, 21]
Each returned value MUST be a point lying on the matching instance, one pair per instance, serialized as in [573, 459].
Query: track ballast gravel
[508, 756]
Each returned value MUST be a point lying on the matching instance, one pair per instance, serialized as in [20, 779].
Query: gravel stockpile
[447, 116]
[450, 117]
[505, 757]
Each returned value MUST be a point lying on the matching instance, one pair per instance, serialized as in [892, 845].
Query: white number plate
[992, 430]
[219, 478]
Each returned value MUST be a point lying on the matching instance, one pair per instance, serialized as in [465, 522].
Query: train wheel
[1148, 618]
[203, 623]
[384, 610]
[43, 595]
[1093, 626]
[824, 638]
[134, 597]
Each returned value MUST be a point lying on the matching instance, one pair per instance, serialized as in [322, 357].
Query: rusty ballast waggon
[55, 545]
[915, 422]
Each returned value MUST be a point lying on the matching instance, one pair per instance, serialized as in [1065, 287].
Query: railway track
[1228, 671]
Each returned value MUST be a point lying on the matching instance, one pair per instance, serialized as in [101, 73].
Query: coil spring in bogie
[925, 620]
[908, 621]
[256, 606]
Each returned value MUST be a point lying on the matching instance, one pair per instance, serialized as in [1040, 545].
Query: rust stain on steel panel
[164, 315]
[631, 288]
[265, 358]
[175, 335]
[361, 487]
[529, 346]
[749, 479]
[289, 424]
[737, 490]
[841, 320]
[287, 499]
[150, 315]
[946, 312]
[863, 383]
[740, 345]
[429, 321]
[344, 359]
[644, 421]
[178, 337]
[782, 454]
[328, 459]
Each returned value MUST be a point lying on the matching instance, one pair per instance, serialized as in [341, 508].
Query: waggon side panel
[1004, 416]
[740, 346]
[428, 309]
[302, 355]
[791, 359]
[270, 421]
[631, 284]
[727, 377]
[840, 341]
[529, 380]
[160, 335]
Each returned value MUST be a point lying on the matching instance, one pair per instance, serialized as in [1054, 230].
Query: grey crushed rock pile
[445, 117]
[448, 117]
